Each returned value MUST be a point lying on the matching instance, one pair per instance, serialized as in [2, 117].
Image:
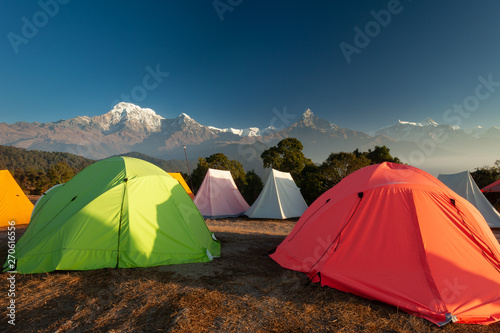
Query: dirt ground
[244, 291]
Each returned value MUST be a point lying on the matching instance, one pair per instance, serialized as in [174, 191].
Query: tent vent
[328, 200]
[360, 195]
[452, 201]
[125, 180]
[74, 198]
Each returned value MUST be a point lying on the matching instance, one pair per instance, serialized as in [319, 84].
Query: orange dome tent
[396, 234]
[14, 205]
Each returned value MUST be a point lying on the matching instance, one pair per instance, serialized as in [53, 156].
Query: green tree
[36, 181]
[486, 175]
[313, 182]
[379, 155]
[287, 156]
[20, 177]
[340, 165]
[198, 174]
[60, 173]
[253, 187]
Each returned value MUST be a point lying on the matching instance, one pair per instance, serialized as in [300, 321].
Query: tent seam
[423, 258]
[338, 235]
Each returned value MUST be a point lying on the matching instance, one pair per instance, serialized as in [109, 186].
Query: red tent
[493, 187]
[396, 234]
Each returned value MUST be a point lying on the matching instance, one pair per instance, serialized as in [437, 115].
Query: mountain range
[128, 127]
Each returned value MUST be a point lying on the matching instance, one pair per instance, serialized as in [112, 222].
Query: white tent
[463, 184]
[218, 196]
[280, 198]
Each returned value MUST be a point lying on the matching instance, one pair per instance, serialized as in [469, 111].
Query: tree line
[287, 156]
[36, 171]
[314, 179]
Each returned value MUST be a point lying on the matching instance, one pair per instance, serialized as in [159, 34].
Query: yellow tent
[181, 180]
[14, 205]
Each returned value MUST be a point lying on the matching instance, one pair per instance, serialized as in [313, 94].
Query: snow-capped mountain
[128, 127]
[124, 113]
[411, 131]
[492, 133]
[308, 119]
[317, 129]
[251, 131]
[476, 132]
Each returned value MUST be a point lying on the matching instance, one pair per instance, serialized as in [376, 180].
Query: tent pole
[187, 163]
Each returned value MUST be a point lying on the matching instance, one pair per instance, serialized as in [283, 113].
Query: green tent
[117, 213]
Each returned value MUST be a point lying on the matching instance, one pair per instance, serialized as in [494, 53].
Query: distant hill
[30, 167]
[13, 158]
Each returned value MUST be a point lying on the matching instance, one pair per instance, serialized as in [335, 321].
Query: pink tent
[493, 187]
[218, 196]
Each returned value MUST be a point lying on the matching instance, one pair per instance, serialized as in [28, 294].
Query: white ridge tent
[280, 198]
[463, 184]
[218, 196]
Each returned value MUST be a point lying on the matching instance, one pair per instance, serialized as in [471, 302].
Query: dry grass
[244, 291]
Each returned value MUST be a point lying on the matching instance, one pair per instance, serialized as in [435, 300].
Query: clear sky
[231, 62]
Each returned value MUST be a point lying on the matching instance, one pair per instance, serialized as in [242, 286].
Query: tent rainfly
[181, 181]
[280, 198]
[14, 205]
[493, 187]
[464, 185]
[42, 199]
[394, 233]
[120, 212]
[218, 196]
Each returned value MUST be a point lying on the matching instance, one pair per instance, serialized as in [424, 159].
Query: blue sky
[263, 56]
